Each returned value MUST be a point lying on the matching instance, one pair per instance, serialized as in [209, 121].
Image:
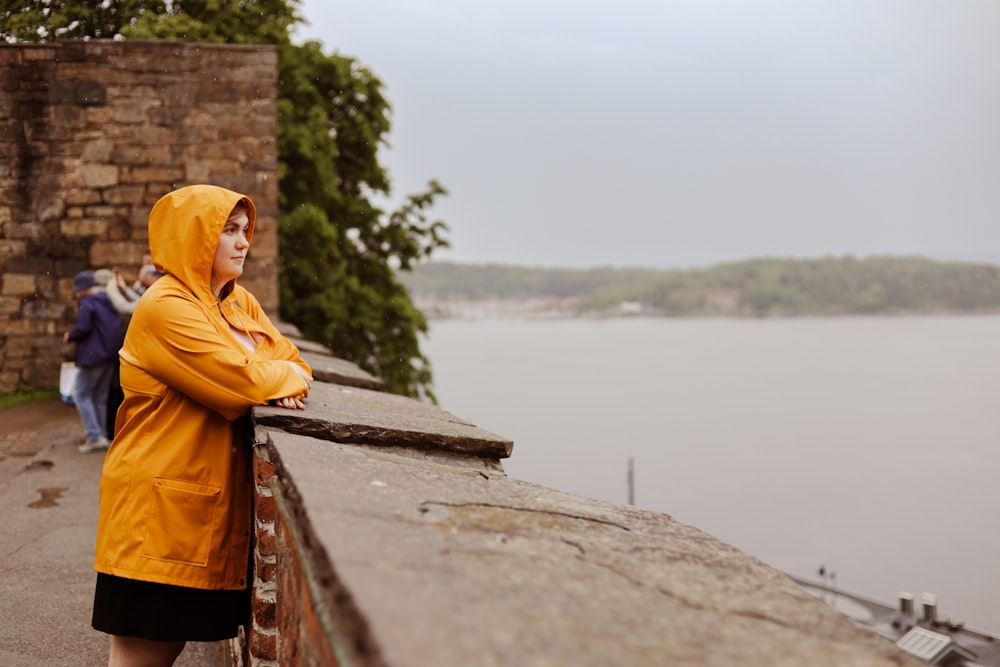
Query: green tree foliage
[219, 21]
[340, 253]
[332, 117]
[45, 20]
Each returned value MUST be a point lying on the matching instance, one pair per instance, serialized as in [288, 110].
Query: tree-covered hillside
[755, 287]
[482, 282]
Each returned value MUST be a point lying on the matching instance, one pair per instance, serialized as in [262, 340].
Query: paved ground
[49, 495]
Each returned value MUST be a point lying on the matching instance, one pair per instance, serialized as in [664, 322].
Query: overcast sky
[666, 134]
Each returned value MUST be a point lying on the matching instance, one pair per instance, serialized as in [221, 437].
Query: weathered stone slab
[287, 329]
[327, 368]
[309, 346]
[363, 416]
[448, 566]
[292, 333]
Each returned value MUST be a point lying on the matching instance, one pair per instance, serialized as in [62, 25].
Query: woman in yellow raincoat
[173, 536]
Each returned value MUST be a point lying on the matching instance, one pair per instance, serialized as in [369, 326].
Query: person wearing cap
[98, 336]
[174, 528]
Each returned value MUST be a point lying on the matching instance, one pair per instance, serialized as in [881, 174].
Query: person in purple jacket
[98, 337]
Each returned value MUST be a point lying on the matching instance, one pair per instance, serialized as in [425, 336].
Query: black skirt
[161, 612]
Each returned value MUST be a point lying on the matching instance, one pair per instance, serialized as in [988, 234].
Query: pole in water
[631, 481]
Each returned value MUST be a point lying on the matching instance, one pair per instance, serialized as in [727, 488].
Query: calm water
[868, 445]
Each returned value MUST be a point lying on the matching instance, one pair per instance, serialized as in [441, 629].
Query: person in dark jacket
[98, 337]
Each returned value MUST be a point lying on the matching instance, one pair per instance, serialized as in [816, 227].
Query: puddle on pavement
[49, 497]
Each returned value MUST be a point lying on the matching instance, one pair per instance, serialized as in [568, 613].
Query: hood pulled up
[184, 230]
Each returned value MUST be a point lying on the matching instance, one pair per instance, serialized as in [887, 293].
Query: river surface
[868, 446]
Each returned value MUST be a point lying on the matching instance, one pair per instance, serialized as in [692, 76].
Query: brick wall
[264, 615]
[300, 616]
[91, 135]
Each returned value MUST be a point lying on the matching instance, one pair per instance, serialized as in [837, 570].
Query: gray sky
[666, 134]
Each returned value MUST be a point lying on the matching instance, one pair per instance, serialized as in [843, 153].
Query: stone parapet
[389, 534]
[92, 133]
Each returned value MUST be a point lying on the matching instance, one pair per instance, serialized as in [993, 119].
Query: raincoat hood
[184, 230]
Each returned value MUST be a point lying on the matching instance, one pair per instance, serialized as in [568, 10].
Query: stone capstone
[351, 414]
[327, 368]
[440, 565]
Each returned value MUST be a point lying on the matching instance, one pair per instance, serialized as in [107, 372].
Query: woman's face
[232, 250]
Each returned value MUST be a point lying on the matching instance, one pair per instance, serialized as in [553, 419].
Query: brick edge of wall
[300, 612]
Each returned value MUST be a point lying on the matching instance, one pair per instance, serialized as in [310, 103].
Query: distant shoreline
[829, 286]
[542, 309]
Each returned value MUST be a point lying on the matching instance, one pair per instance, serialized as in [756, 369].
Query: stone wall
[387, 533]
[92, 133]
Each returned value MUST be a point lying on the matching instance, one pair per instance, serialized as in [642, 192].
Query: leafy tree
[332, 117]
[340, 253]
[46, 20]
[220, 21]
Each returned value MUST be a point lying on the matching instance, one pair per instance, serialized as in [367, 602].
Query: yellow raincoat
[177, 485]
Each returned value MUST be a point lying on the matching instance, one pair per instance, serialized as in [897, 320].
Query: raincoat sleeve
[283, 348]
[185, 350]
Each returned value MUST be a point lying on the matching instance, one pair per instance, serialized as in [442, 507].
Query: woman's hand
[292, 402]
[289, 402]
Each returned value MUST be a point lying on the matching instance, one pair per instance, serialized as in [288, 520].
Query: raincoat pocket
[181, 521]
